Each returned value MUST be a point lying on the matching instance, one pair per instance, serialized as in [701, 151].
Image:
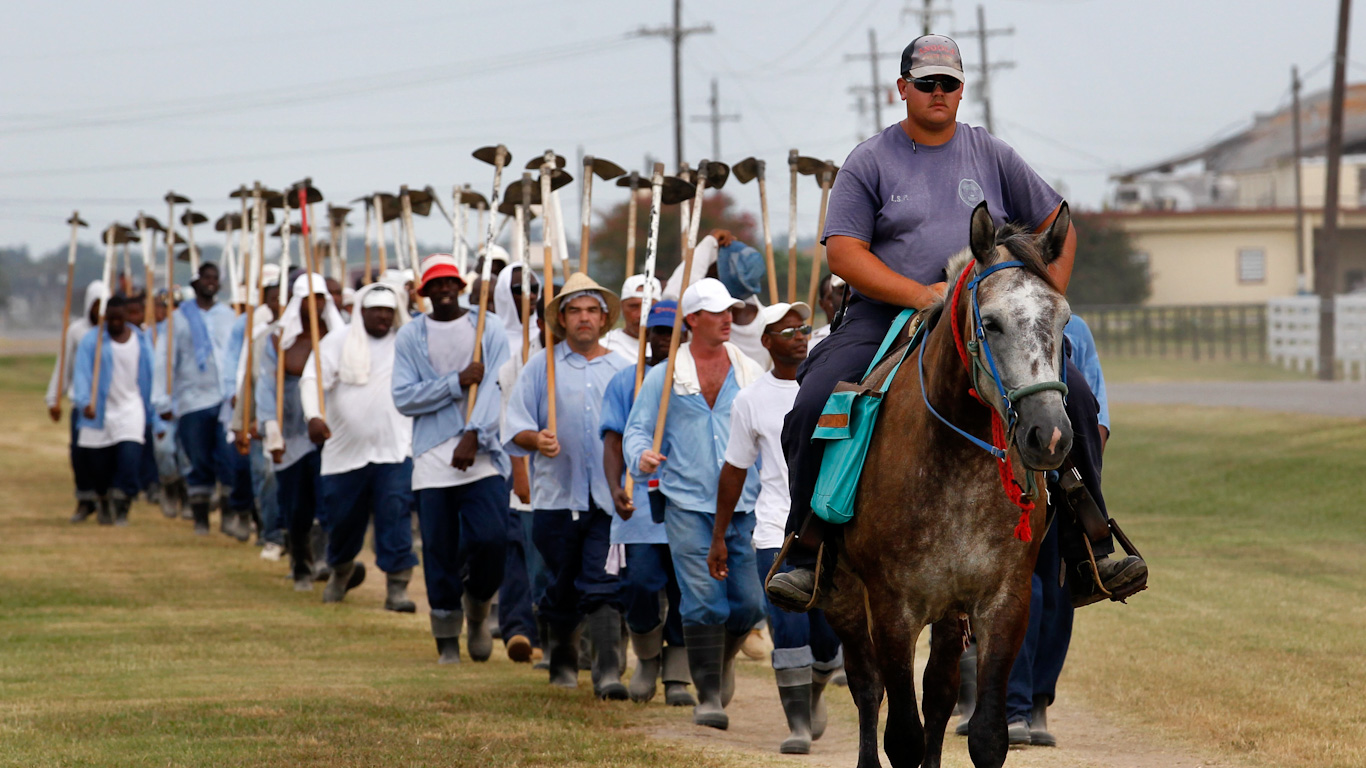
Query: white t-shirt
[756, 428]
[125, 416]
[749, 338]
[619, 342]
[817, 336]
[450, 347]
[366, 427]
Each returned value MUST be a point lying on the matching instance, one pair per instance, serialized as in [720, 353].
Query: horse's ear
[1056, 236]
[982, 234]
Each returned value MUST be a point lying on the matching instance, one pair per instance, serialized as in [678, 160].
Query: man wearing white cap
[625, 340]
[296, 457]
[806, 652]
[572, 525]
[459, 467]
[367, 466]
[709, 373]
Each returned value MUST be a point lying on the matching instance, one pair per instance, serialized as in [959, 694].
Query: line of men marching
[564, 511]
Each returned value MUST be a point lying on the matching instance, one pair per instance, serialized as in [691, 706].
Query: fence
[1210, 332]
[1293, 333]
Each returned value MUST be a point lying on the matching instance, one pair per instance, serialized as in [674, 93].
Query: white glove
[273, 440]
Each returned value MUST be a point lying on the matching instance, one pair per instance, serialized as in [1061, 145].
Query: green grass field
[144, 645]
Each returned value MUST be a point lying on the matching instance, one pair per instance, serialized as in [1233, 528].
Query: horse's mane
[1020, 244]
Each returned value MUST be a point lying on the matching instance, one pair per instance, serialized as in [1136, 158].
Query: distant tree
[1107, 270]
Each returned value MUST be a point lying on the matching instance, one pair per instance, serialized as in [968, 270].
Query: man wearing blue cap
[649, 570]
[898, 211]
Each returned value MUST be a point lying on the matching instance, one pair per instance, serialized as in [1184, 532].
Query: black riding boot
[706, 645]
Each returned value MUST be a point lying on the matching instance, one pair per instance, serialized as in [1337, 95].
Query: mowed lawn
[145, 645]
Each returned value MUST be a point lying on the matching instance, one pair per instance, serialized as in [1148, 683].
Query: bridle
[976, 357]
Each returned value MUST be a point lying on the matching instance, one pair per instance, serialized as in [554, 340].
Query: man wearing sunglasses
[898, 211]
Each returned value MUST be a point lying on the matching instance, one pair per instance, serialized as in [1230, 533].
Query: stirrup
[1092, 571]
[822, 585]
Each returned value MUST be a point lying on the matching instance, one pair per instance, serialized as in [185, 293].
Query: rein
[1003, 414]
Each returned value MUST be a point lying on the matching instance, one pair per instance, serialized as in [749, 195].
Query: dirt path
[1087, 739]
[1323, 398]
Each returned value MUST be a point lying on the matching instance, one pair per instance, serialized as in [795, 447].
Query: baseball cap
[708, 295]
[932, 55]
[439, 265]
[775, 312]
[634, 287]
[662, 315]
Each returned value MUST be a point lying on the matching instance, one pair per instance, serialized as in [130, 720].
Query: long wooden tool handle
[311, 298]
[107, 275]
[548, 287]
[405, 204]
[66, 306]
[379, 236]
[457, 228]
[768, 241]
[245, 404]
[631, 229]
[486, 276]
[285, 287]
[149, 280]
[524, 211]
[586, 215]
[170, 302]
[678, 315]
[369, 264]
[818, 254]
[651, 249]
[792, 230]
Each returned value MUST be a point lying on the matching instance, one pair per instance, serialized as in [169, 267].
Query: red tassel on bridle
[1011, 487]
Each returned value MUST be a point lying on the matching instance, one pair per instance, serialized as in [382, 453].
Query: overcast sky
[105, 106]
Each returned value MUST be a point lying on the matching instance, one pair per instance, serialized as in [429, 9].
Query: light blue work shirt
[695, 437]
[1087, 360]
[616, 408]
[575, 475]
[294, 429]
[84, 370]
[195, 389]
[437, 403]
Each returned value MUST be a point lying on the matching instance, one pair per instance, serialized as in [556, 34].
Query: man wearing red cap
[459, 467]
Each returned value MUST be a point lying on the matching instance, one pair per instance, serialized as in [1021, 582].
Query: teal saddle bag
[847, 423]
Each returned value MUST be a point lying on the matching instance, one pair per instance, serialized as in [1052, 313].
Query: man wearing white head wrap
[367, 466]
[348, 302]
[625, 341]
[76, 329]
[297, 459]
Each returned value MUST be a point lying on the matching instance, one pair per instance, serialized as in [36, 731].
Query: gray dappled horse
[933, 535]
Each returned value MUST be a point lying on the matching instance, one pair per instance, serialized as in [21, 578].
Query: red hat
[440, 265]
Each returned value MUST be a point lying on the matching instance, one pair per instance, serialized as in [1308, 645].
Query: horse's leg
[865, 686]
[1000, 627]
[903, 739]
[941, 685]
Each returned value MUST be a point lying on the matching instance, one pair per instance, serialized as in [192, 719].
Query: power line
[715, 118]
[675, 34]
[986, 66]
[875, 89]
[927, 14]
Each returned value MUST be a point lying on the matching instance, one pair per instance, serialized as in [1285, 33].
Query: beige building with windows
[1217, 226]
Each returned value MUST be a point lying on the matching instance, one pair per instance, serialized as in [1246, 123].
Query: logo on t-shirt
[970, 192]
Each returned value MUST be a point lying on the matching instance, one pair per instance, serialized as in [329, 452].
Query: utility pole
[982, 33]
[715, 118]
[1326, 266]
[675, 35]
[1301, 284]
[875, 88]
[926, 14]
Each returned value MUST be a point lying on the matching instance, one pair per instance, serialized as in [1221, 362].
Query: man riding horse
[898, 211]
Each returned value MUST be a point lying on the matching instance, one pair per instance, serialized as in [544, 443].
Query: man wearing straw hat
[572, 525]
[460, 469]
[367, 466]
[709, 372]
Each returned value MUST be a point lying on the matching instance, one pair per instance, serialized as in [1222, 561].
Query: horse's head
[1013, 319]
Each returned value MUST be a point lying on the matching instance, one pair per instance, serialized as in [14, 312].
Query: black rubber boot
[396, 592]
[120, 505]
[1038, 724]
[84, 509]
[446, 630]
[604, 625]
[543, 634]
[345, 577]
[733, 643]
[563, 652]
[199, 509]
[479, 641]
[706, 645]
[794, 691]
[649, 649]
[676, 677]
[819, 680]
[104, 511]
[967, 689]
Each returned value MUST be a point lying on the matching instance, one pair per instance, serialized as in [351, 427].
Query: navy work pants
[80, 465]
[515, 615]
[574, 546]
[464, 541]
[1044, 649]
[115, 468]
[381, 491]
[650, 572]
[799, 639]
[299, 491]
[201, 436]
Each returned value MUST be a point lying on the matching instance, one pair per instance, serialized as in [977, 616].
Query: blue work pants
[464, 541]
[574, 546]
[737, 602]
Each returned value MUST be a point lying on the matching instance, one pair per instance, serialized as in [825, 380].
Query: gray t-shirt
[913, 203]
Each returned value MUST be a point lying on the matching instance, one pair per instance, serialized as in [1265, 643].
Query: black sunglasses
[927, 84]
[788, 333]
